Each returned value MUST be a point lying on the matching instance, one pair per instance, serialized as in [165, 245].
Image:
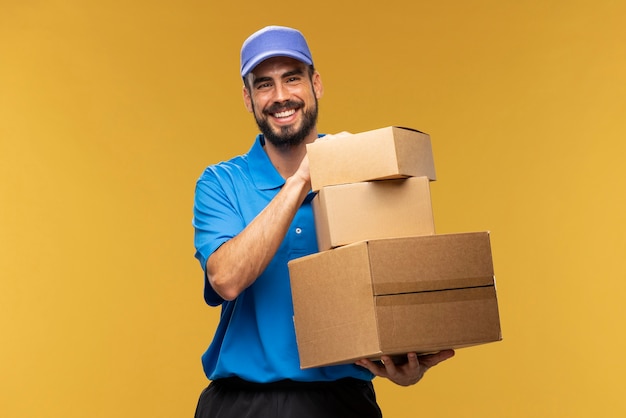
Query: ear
[318, 87]
[247, 100]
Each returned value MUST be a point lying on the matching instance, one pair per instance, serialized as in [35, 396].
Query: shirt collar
[264, 174]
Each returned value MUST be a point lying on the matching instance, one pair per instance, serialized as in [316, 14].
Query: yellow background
[109, 111]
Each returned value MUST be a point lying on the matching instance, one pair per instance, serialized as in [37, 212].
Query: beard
[287, 136]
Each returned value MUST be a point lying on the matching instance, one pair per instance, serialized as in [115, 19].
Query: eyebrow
[296, 71]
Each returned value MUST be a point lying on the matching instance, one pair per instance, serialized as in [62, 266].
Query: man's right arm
[237, 263]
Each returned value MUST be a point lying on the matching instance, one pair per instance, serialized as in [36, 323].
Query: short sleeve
[215, 220]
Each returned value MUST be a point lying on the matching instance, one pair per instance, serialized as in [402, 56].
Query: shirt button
[298, 230]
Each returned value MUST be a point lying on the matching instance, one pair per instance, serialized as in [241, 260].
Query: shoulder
[235, 167]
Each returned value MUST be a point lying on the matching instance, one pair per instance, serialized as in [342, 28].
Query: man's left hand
[405, 373]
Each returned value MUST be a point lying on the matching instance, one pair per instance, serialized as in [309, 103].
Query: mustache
[282, 106]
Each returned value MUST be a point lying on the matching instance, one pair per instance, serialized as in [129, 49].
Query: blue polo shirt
[255, 338]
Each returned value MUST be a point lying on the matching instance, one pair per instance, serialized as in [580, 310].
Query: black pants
[236, 398]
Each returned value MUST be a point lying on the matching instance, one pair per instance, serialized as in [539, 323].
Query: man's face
[283, 97]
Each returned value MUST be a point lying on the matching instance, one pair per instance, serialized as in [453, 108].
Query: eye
[264, 86]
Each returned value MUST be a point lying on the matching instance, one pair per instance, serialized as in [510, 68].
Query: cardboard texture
[354, 212]
[393, 296]
[385, 153]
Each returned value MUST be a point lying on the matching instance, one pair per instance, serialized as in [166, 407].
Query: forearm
[237, 263]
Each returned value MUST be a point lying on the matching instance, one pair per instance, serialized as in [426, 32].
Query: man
[252, 215]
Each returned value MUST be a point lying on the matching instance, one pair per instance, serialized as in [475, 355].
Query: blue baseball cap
[273, 41]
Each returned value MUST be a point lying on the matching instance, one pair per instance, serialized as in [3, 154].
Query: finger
[431, 360]
[389, 365]
[375, 368]
[414, 362]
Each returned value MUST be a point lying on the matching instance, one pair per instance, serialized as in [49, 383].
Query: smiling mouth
[284, 113]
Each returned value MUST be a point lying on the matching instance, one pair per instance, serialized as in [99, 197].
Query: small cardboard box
[394, 296]
[385, 153]
[348, 213]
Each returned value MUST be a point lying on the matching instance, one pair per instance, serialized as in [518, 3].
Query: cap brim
[251, 65]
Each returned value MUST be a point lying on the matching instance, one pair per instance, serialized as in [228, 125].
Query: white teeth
[285, 114]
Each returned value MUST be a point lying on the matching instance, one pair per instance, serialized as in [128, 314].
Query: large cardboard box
[348, 213]
[385, 153]
[394, 296]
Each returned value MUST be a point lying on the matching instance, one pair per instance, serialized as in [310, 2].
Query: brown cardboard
[348, 213]
[393, 296]
[384, 153]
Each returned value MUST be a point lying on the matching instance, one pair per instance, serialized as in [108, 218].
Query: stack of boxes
[384, 282]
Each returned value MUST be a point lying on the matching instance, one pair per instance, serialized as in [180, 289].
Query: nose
[281, 93]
